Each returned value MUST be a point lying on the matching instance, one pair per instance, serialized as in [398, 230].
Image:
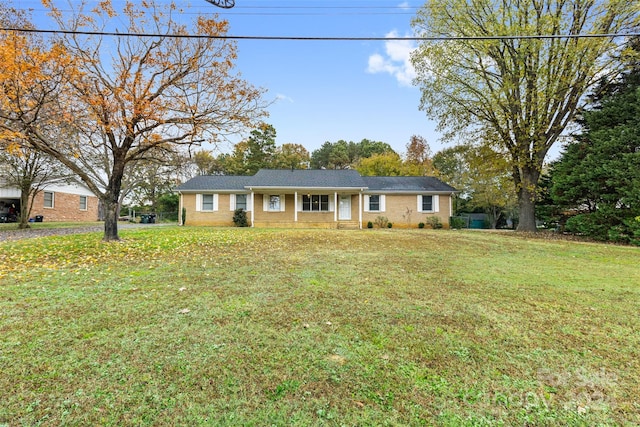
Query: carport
[9, 204]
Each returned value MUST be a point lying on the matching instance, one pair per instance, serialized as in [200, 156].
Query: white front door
[344, 209]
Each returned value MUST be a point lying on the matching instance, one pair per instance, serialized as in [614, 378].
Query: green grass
[248, 327]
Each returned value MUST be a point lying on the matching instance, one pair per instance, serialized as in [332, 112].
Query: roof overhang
[408, 192]
[310, 188]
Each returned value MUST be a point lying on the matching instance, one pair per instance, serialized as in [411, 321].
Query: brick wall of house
[402, 211]
[222, 217]
[66, 207]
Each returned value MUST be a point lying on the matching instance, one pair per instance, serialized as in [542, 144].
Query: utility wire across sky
[321, 38]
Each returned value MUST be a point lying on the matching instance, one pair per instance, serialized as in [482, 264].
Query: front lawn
[241, 327]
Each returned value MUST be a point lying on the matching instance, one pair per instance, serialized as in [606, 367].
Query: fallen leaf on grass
[184, 311]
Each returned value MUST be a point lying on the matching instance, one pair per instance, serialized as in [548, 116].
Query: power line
[320, 38]
[346, 11]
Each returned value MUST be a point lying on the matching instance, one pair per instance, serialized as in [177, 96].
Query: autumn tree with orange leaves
[123, 98]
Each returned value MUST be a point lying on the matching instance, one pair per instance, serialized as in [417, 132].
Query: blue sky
[332, 90]
[323, 90]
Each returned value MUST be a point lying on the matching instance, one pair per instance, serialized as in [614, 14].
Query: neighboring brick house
[315, 198]
[59, 202]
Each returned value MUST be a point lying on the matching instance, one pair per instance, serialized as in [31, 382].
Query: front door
[344, 208]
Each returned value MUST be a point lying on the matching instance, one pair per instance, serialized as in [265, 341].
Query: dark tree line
[596, 182]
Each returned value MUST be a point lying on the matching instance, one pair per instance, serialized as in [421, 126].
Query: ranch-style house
[314, 198]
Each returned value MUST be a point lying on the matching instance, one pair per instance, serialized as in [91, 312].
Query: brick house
[315, 199]
[56, 202]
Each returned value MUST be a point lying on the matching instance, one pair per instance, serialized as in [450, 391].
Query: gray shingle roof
[315, 178]
[307, 178]
[406, 184]
[215, 182]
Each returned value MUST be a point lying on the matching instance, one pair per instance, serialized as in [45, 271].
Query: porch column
[253, 209]
[336, 207]
[180, 205]
[295, 206]
[360, 210]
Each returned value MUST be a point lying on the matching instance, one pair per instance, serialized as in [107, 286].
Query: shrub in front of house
[381, 221]
[389, 225]
[240, 218]
[369, 224]
[457, 222]
[421, 225]
[434, 222]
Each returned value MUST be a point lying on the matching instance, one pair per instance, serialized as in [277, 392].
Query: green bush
[587, 225]
[457, 222]
[240, 218]
[369, 224]
[434, 222]
[634, 230]
[421, 225]
[389, 225]
[606, 225]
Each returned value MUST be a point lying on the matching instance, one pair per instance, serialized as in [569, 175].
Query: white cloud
[404, 5]
[395, 61]
[281, 97]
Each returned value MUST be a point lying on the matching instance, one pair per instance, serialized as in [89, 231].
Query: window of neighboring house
[374, 202]
[48, 199]
[207, 202]
[315, 203]
[274, 203]
[241, 201]
[83, 203]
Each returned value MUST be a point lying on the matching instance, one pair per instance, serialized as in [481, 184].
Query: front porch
[306, 209]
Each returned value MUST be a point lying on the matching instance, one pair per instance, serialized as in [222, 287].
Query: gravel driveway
[10, 235]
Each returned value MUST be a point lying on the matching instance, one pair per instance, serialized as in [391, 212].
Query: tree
[482, 177]
[123, 96]
[252, 154]
[520, 91]
[261, 149]
[339, 156]
[451, 166]
[150, 179]
[206, 163]
[386, 164]
[490, 186]
[419, 155]
[343, 154]
[367, 148]
[599, 172]
[293, 156]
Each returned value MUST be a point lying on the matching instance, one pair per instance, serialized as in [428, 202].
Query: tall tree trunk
[526, 199]
[111, 199]
[25, 207]
[111, 211]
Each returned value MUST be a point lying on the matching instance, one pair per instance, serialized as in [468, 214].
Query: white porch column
[295, 206]
[253, 209]
[360, 209]
[335, 207]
